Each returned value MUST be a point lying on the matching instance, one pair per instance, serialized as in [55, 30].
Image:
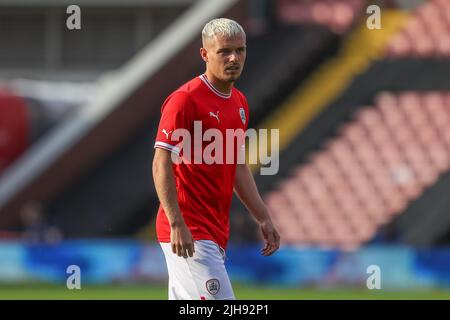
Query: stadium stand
[369, 173]
[337, 16]
[388, 72]
[302, 48]
[314, 94]
[426, 34]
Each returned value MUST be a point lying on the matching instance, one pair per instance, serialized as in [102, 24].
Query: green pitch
[152, 292]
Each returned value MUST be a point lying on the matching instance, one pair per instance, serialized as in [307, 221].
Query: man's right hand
[182, 241]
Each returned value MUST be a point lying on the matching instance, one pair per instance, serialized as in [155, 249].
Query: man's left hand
[271, 238]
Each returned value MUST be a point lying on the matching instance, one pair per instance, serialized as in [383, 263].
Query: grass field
[151, 292]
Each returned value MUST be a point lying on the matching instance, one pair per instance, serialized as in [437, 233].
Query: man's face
[225, 57]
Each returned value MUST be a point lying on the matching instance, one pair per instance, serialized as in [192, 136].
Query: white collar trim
[211, 87]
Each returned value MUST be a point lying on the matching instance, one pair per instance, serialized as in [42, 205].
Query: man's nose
[233, 57]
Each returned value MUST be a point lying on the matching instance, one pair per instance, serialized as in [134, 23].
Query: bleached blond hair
[221, 26]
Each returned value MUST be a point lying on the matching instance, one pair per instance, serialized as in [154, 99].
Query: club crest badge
[213, 286]
[242, 113]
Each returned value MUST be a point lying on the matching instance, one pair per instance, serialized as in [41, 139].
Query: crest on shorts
[242, 113]
[213, 286]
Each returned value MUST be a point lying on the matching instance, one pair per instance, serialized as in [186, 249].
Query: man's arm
[247, 192]
[180, 236]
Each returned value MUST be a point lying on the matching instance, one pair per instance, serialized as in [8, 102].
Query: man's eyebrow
[228, 48]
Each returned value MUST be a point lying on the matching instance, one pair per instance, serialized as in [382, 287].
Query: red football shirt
[204, 190]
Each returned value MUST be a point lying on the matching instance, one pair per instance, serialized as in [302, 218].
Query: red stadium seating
[427, 33]
[379, 162]
[336, 15]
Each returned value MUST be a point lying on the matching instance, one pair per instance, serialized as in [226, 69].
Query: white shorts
[201, 277]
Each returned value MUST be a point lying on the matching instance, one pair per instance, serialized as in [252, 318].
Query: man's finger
[270, 251]
[266, 249]
[271, 238]
[182, 250]
[275, 246]
[191, 250]
[277, 238]
[270, 248]
[179, 250]
[266, 245]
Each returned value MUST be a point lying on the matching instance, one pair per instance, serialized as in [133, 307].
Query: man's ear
[204, 54]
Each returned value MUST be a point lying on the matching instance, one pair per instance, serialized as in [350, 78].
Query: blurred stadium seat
[338, 16]
[368, 173]
[427, 33]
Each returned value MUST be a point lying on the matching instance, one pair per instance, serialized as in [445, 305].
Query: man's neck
[222, 86]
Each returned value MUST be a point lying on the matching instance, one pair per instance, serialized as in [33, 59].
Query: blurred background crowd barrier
[131, 262]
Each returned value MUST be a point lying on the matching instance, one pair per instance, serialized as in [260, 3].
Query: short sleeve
[177, 112]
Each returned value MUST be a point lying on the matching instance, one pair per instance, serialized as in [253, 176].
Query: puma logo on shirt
[166, 133]
[215, 115]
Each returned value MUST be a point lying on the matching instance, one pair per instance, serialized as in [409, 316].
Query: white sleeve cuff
[166, 146]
